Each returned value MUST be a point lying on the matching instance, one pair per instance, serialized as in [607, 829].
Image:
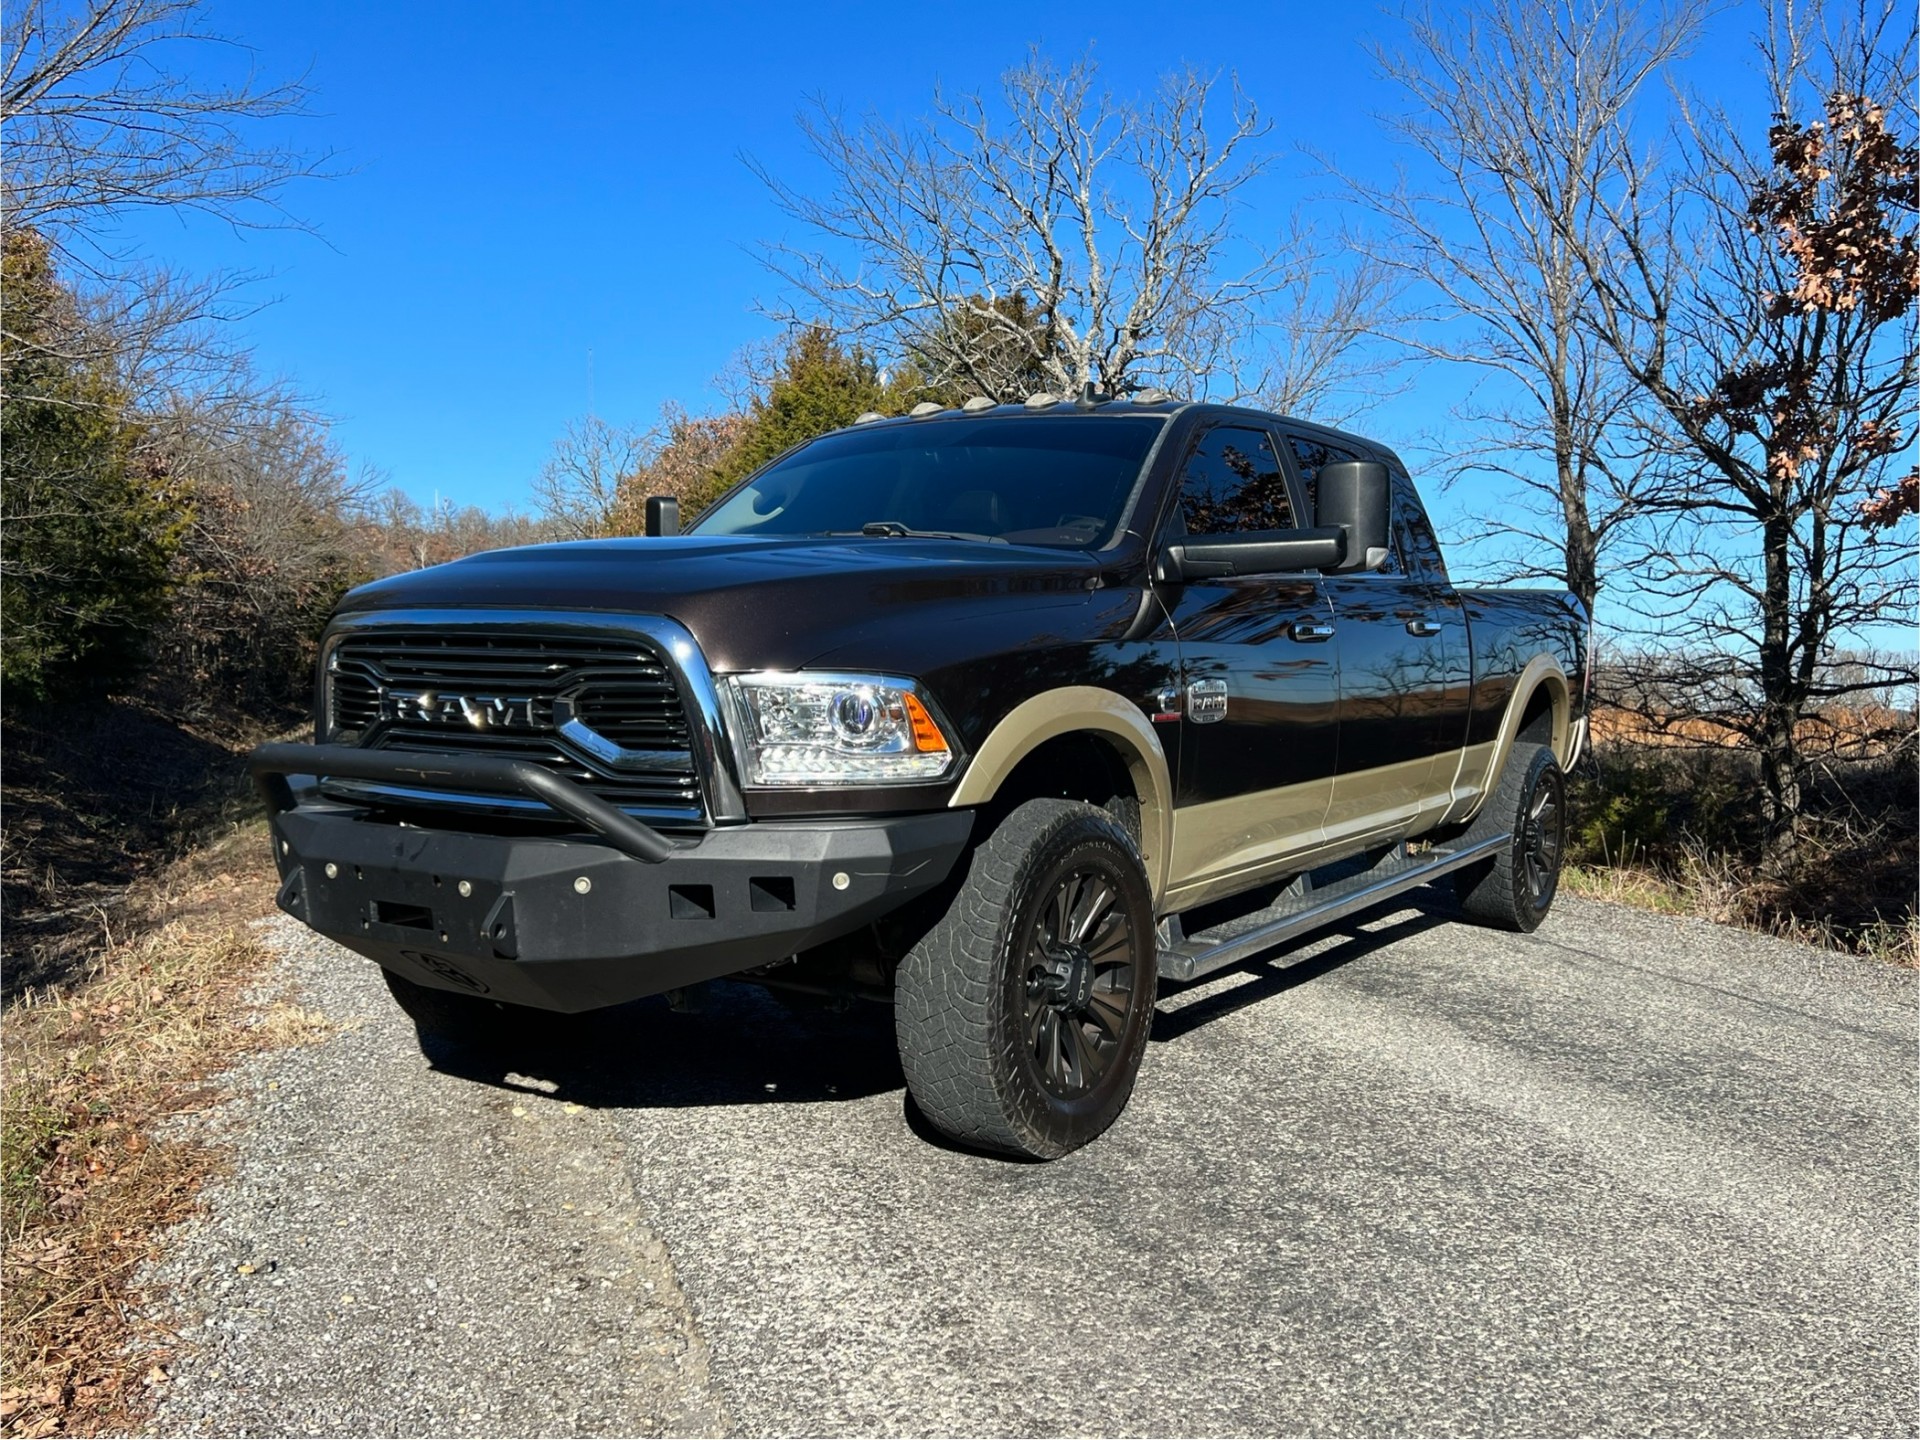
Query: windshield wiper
[894, 530]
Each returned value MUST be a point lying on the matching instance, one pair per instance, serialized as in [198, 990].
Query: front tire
[1022, 1015]
[1515, 889]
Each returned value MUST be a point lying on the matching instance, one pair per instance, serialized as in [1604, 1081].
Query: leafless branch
[1057, 237]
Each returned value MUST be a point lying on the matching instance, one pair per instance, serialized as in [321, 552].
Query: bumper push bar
[270, 765]
[577, 922]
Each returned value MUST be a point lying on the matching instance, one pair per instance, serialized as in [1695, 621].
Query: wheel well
[1076, 766]
[1536, 721]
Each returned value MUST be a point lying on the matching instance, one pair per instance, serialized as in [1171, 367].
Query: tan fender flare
[1542, 670]
[1070, 710]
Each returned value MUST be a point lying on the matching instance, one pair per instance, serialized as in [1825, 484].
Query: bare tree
[1519, 114]
[1762, 299]
[105, 109]
[1323, 361]
[1065, 231]
[405, 536]
[100, 118]
[272, 536]
[578, 489]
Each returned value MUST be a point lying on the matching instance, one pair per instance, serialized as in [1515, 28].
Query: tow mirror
[1249, 552]
[663, 515]
[1355, 497]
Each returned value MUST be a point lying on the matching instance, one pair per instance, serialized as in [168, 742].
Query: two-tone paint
[1361, 708]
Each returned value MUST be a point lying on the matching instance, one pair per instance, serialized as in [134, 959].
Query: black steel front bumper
[575, 924]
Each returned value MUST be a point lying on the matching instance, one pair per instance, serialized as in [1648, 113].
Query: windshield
[1026, 480]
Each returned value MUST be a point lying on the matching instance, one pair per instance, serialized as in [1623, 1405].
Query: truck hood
[753, 603]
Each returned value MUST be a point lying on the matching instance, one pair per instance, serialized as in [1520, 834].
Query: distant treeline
[189, 538]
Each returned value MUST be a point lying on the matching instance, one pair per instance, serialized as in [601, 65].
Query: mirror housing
[663, 515]
[1250, 552]
[1356, 498]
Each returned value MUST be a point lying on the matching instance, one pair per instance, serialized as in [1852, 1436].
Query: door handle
[1310, 630]
[1423, 627]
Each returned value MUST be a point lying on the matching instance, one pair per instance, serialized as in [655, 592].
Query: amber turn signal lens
[926, 735]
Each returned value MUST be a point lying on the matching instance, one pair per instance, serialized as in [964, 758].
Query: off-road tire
[1515, 889]
[448, 1017]
[972, 1026]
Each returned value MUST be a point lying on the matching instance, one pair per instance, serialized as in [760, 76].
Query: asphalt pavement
[1628, 1175]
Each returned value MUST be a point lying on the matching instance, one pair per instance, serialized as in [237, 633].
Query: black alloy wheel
[1078, 984]
[1515, 889]
[1022, 1014]
[1542, 834]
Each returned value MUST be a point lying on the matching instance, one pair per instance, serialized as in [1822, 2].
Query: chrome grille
[617, 685]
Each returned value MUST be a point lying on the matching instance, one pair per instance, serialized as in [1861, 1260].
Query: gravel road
[1630, 1174]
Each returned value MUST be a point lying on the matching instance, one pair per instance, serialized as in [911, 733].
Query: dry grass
[1728, 891]
[1668, 815]
[1710, 893]
[100, 799]
[91, 1070]
[1861, 732]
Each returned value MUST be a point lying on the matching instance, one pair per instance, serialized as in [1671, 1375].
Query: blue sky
[539, 199]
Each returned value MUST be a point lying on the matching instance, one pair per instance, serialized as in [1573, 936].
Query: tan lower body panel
[1229, 845]
[1239, 836]
[1471, 779]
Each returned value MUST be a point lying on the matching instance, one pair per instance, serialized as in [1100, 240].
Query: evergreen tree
[86, 530]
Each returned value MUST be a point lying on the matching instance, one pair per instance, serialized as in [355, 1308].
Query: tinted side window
[1232, 482]
[1310, 453]
[1415, 531]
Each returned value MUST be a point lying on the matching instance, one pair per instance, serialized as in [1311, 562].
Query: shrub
[87, 531]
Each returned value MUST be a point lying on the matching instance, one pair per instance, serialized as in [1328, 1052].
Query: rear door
[1259, 690]
[1406, 671]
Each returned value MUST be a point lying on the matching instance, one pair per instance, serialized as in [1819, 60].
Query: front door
[1259, 682]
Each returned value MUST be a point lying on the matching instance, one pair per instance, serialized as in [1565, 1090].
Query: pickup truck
[1001, 713]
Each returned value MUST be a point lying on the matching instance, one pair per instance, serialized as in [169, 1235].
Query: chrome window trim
[709, 738]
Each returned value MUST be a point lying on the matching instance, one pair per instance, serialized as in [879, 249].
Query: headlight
[814, 729]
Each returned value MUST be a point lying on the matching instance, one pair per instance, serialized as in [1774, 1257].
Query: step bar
[1295, 913]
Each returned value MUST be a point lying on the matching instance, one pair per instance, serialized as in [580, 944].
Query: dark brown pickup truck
[1003, 714]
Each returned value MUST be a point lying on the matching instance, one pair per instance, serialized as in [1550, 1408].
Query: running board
[1188, 957]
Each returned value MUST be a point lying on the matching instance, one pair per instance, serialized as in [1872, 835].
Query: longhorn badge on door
[1207, 701]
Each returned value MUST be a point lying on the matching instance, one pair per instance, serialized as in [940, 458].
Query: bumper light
[817, 729]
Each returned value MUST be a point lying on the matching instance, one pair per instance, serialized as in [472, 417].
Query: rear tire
[1022, 1015]
[1515, 889]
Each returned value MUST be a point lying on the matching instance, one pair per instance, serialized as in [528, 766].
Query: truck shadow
[745, 1046]
[741, 1046]
[1275, 973]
